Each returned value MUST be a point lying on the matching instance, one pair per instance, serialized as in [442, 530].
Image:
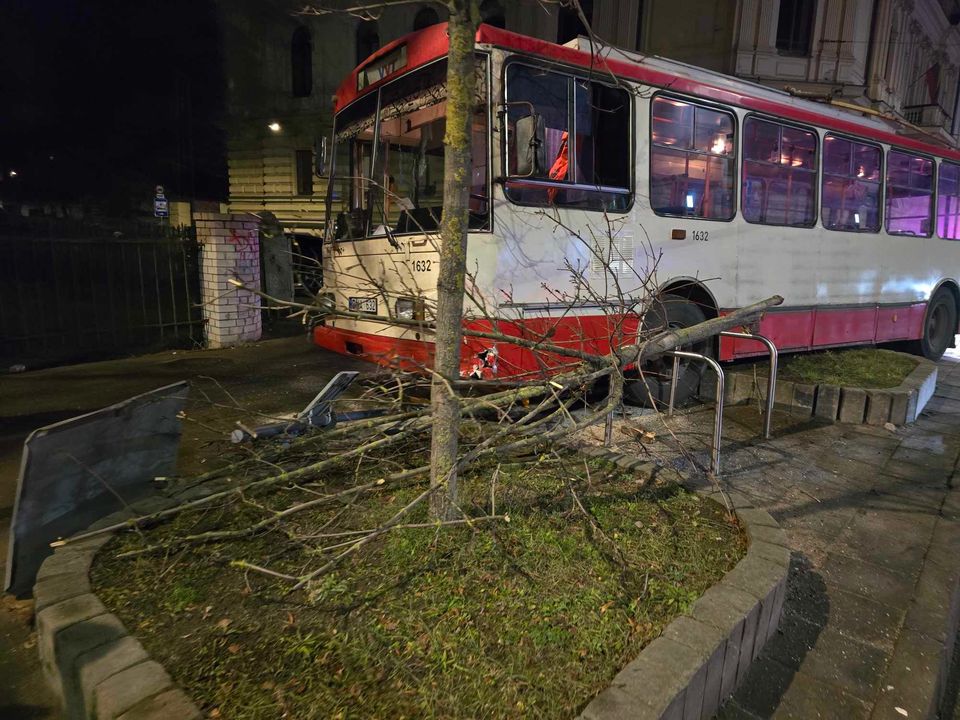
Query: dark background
[123, 95]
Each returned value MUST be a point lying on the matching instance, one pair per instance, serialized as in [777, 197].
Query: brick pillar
[229, 248]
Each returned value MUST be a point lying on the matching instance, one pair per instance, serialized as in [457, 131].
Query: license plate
[363, 305]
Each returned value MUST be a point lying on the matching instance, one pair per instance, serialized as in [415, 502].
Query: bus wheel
[669, 311]
[939, 325]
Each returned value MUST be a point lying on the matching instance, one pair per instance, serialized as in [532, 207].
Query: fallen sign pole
[317, 414]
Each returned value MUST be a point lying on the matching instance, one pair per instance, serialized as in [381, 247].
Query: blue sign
[160, 207]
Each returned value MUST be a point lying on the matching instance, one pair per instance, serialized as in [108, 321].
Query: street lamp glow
[274, 127]
[13, 173]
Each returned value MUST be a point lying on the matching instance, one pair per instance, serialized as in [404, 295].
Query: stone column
[229, 249]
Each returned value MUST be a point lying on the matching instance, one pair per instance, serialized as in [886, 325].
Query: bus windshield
[389, 156]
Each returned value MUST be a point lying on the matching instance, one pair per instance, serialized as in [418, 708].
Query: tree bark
[453, 254]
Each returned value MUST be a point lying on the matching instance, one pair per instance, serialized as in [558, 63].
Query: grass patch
[862, 368]
[526, 618]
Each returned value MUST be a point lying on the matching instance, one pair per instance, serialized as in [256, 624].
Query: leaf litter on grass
[530, 617]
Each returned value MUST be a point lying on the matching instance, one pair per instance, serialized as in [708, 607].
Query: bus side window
[850, 191]
[586, 141]
[779, 174]
[909, 194]
[692, 159]
[948, 201]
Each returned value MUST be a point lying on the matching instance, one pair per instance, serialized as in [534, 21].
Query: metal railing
[771, 379]
[67, 295]
[721, 388]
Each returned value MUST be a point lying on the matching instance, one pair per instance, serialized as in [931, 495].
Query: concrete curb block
[899, 405]
[702, 657]
[96, 667]
[916, 677]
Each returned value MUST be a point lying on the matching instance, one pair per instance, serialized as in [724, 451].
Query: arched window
[301, 62]
[425, 17]
[368, 40]
[491, 12]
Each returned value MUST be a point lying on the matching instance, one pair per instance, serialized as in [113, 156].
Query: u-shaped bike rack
[718, 371]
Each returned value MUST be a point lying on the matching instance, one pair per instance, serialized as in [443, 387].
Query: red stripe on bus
[432, 43]
[796, 330]
[790, 330]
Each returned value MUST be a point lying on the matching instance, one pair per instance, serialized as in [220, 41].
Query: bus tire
[939, 325]
[669, 311]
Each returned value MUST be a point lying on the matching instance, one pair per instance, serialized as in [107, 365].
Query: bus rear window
[851, 185]
[948, 201]
[909, 194]
[691, 160]
[779, 174]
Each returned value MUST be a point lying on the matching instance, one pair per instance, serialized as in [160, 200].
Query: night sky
[124, 95]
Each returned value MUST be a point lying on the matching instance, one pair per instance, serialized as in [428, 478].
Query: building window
[692, 158]
[795, 26]
[424, 18]
[569, 23]
[301, 62]
[304, 160]
[491, 13]
[779, 174]
[948, 201]
[368, 39]
[581, 154]
[909, 194]
[851, 185]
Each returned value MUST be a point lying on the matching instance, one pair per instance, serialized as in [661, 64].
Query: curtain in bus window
[948, 201]
[691, 160]
[909, 194]
[851, 185]
[779, 174]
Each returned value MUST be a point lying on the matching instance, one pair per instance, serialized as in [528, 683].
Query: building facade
[896, 58]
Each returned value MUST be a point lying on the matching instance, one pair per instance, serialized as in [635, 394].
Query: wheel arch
[696, 292]
[953, 288]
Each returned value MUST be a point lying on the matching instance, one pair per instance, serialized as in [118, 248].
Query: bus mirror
[321, 157]
[530, 146]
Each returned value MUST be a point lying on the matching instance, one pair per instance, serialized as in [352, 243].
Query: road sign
[161, 208]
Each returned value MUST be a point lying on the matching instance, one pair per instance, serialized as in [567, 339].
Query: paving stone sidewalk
[860, 506]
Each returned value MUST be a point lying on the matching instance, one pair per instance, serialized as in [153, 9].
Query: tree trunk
[453, 254]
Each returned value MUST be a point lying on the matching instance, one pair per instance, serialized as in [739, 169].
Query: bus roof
[425, 45]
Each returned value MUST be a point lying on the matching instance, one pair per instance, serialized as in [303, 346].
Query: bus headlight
[409, 309]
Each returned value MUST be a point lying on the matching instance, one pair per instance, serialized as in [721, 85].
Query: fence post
[229, 249]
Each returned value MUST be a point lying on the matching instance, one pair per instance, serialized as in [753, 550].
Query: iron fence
[70, 292]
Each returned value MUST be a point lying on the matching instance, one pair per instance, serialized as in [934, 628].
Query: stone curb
[899, 405]
[916, 678]
[702, 657]
[97, 668]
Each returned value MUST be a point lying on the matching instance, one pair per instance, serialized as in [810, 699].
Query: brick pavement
[870, 517]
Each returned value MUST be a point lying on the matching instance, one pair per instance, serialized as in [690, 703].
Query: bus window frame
[487, 56]
[932, 216]
[571, 73]
[817, 170]
[882, 204]
[737, 144]
[936, 200]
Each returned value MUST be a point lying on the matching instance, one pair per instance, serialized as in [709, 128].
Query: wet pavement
[271, 377]
[865, 510]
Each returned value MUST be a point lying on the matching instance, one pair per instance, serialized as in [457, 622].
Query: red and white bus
[739, 191]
